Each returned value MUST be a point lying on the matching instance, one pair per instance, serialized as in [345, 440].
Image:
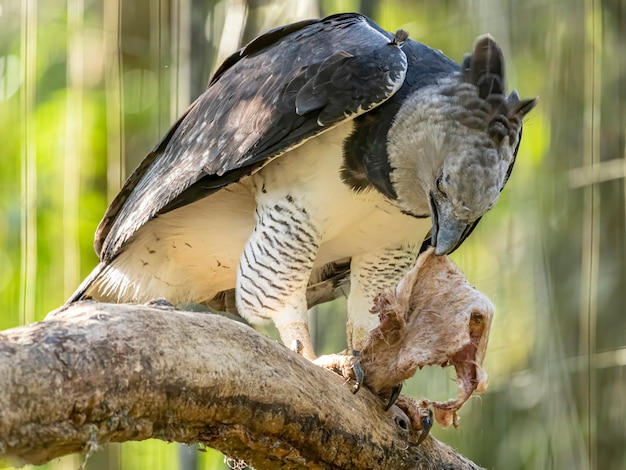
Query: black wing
[283, 88]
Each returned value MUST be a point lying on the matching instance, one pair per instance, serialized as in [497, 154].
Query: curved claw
[427, 423]
[395, 393]
[358, 372]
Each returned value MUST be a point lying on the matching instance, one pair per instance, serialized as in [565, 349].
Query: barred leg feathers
[370, 274]
[275, 268]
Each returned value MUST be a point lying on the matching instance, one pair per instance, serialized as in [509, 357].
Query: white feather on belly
[190, 254]
[186, 255]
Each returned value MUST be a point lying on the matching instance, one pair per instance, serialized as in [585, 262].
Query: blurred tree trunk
[584, 230]
[201, 51]
[369, 7]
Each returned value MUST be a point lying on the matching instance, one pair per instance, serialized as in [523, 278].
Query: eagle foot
[420, 415]
[346, 365]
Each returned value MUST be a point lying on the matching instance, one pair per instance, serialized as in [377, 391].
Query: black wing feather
[281, 89]
[366, 162]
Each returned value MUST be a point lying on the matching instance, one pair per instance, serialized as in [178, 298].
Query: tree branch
[99, 373]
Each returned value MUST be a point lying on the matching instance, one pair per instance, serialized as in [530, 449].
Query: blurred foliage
[87, 87]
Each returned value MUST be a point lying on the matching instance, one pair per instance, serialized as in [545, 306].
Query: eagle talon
[420, 416]
[358, 374]
[395, 393]
[427, 424]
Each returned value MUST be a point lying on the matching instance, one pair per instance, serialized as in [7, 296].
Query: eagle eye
[439, 183]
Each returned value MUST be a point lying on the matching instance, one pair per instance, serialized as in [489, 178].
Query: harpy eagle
[323, 150]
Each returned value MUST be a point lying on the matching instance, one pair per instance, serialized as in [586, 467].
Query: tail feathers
[83, 290]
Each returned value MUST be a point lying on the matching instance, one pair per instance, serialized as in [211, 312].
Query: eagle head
[454, 143]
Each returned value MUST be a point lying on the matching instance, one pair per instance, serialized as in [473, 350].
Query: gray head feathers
[456, 141]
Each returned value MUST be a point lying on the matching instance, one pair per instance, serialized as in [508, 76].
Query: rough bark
[99, 373]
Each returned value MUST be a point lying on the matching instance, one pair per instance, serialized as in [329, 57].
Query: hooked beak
[448, 232]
